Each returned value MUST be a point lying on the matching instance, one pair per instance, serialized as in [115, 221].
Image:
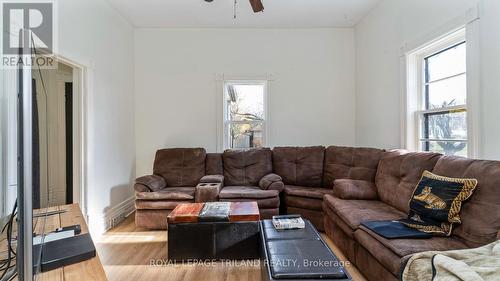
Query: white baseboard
[118, 213]
[100, 223]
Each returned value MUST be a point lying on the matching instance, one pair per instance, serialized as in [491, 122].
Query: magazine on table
[288, 222]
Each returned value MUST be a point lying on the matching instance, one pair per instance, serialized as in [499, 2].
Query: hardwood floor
[126, 253]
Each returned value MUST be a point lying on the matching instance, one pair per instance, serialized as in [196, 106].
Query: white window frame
[432, 49]
[225, 122]
[412, 75]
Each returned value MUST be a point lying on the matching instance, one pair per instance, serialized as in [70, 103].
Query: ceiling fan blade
[257, 5]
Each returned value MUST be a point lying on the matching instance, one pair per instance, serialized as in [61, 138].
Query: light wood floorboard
[126, 252]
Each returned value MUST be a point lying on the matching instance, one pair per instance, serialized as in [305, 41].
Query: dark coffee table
[298, 254]
[215, 230]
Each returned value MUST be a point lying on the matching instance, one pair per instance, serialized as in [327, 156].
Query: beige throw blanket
[479, 264]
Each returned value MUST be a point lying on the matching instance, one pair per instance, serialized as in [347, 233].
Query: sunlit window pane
[445, 126]
[244, 114]
[245, 102]
[448, 92]
[447, 63]
[458, 148]
[245, 135]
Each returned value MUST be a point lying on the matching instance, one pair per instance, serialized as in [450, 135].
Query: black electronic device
[77, 228]
[63, 252]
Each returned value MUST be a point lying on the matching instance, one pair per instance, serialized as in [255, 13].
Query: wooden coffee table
[214, 230]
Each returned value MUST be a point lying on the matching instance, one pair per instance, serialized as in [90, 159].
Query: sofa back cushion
[214, 164]
[180, 166]
[246, 167]
[397, 176]
[480, 214]
[356, 163]
[301, 166]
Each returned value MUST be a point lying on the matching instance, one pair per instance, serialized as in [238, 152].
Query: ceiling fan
[257, 5]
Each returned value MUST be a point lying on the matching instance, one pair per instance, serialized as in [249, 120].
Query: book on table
[288, 222]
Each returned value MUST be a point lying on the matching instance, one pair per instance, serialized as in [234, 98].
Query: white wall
[379, 37]
[311, 100]
[490, 82]
[92, 33]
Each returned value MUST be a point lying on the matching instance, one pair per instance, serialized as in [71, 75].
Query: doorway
[53, 89]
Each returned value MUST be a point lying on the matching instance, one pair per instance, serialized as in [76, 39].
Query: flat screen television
[29, 142]
[20, 259]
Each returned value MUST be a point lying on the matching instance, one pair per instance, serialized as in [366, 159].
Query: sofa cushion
[213, 164]
[299, 165]
[436, 202]
[152, 182]
[173, 193]
[353, 212]
[307, 192]
[389, 252]
[253, 192]
[403, 247]
[398, 176]
[180, 166]
[262, 203]
[350, 163]
[354, 189]
[246, 167]
[480, 214]
[268, 180]
[303, 202]
[386, 258]
[340, 225]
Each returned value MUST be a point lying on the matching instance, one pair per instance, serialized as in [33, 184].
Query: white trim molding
[82, 85]
[441, 31]
[472, 35]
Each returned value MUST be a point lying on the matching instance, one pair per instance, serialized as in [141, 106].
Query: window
[444, 113]
[438, 86]
[244, 114]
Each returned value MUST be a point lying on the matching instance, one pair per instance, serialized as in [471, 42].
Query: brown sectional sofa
[397, 175]
[336, 188]
[242, 175]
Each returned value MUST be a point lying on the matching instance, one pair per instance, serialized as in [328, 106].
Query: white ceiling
[219, 13]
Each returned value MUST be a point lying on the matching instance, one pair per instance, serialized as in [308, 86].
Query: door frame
[80, 96]
[82, 82]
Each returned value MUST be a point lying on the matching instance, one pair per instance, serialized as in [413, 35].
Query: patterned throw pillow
[436, 202]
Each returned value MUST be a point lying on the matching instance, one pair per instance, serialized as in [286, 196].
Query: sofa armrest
[212, 179]
[207, 192]
[149, 183]
[354, 189]
[271, 182]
